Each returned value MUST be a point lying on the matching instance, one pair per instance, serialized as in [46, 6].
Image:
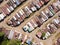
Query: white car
[2, 16]
[25, 28]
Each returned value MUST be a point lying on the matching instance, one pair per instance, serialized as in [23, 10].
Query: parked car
[2, 16]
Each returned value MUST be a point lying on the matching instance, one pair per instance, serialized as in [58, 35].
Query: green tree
[14, 42]
[1, 36]
[4, 42]
[43, 34]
